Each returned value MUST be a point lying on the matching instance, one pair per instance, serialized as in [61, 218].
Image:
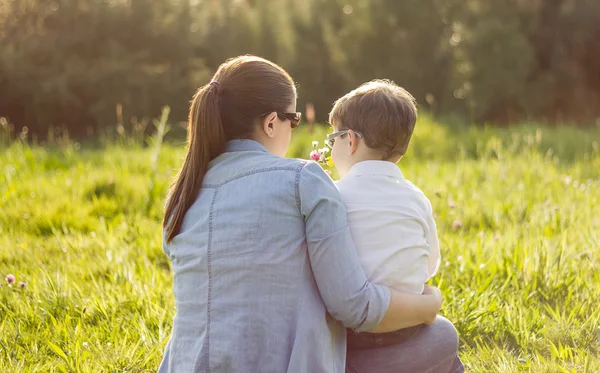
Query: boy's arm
[432, 241]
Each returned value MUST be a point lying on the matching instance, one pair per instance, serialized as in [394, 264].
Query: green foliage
[71, 63]
[96, 65]
[518, 225]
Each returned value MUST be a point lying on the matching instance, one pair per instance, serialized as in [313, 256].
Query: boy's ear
[352, 142]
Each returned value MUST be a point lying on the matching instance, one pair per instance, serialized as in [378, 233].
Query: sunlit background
[93, 102]
[71, 62]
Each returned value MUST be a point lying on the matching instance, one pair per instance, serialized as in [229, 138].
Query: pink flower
[457, 224]
[22, 285]
[10, 279]
[315, 156]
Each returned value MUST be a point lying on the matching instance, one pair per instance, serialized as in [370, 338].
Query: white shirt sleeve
[432, 241]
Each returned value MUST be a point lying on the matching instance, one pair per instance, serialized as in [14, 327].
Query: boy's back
[392, 226]
[390, 219]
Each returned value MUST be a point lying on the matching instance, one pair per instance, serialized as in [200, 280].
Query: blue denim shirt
[266, 275]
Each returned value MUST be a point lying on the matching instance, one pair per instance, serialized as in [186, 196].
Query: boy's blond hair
[384, 113]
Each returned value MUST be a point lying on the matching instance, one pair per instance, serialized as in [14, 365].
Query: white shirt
[392, 225]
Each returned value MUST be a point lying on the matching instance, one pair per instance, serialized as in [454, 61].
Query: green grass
[519, 226]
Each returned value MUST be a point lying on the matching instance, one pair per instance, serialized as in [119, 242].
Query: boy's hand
[436, 299]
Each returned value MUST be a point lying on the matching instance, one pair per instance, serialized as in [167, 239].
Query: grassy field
[518, 212]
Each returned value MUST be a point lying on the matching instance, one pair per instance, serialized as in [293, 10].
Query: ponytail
[206, 141]
[242, 89]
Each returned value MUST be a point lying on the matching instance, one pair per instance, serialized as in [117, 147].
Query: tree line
[73, 63]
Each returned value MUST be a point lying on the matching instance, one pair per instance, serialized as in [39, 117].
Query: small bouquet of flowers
[321, 155]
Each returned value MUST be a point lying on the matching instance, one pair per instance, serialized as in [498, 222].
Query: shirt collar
[244, 145]
[376, 168]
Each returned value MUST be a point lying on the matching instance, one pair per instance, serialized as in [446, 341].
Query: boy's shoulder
[415, 189]
[418, 193]
[419, 196]
[351, 184]
[404, 192]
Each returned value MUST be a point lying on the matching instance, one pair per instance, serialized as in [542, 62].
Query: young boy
[391, 220]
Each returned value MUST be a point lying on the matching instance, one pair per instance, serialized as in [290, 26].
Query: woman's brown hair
[242, 89]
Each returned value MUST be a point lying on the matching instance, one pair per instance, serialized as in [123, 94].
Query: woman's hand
[436, 299]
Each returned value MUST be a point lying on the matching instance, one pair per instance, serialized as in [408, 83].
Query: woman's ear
[268, 124]
[352, 142]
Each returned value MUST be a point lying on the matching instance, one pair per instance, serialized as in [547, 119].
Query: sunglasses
[293, 117]
[331, 137]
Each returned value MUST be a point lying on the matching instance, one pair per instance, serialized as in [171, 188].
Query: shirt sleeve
[432, 241]
[344, 287]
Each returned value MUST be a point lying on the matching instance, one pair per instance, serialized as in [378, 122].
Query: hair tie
[216, 84]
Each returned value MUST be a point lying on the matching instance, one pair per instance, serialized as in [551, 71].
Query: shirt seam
[209, 270]
[298, 197]
[248, 173]
[297, 187]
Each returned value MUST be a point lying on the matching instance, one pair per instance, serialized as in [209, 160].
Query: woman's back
[260, 245]
[245, 293]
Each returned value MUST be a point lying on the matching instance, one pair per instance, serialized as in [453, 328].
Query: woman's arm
[348, 295]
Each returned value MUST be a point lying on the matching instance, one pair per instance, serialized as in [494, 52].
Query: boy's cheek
[334, 157]
[338, 161]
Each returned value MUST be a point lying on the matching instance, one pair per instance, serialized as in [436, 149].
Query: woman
[265, 271]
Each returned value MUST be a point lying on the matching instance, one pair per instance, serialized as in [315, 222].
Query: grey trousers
[432, 350]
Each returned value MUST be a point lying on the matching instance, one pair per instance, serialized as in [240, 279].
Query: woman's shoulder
[306, 169]
[295, 163]
[314, 181]
[309, 177]
[312, 172]
[306, 173]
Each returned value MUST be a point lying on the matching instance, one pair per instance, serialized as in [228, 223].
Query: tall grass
[517, 213]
